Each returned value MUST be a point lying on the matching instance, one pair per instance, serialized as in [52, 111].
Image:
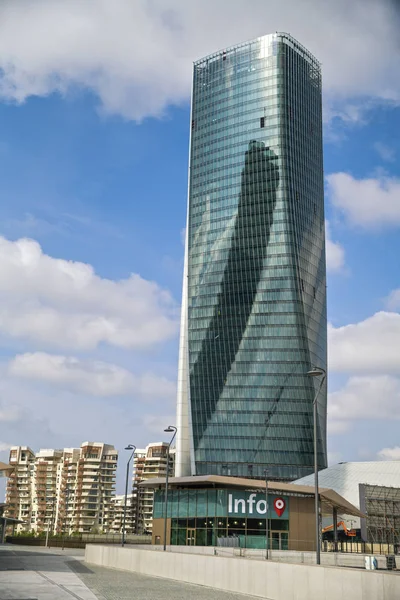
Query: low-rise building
[215, 510]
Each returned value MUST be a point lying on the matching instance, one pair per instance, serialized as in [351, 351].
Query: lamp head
[130, 447]
[316, 372]
[170, 429]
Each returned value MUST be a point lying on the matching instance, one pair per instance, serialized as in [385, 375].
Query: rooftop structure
[345, 478]
[329, 498]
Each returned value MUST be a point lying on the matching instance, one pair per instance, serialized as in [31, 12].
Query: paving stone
[39, 574]
[53, 574]
[110, 584]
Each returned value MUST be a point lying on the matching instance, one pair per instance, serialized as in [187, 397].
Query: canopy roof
[8, 520]
[329, 498]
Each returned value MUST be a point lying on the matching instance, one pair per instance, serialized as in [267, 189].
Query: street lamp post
[317, 372]
[266, 515]
[133, 448]
[67, 493]
[52, 503]
[170, 429]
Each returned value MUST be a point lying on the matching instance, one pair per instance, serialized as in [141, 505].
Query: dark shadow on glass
[249, 243]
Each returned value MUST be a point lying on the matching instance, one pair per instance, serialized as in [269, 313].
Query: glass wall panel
[212, 503]
[202, 503]
[183, 503]
[173, 503]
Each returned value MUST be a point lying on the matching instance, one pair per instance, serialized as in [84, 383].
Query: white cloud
[337, 427]
[53, 417]
[87, 376]
[385, 152]
[9, 414]
[393, 300]
[4, 446]
[370, 203]
[334, 252]
[389, 453]
[375, 398]
[367, 346]
[155, 424]
[60, 303]
[136, 56]
[25, 422]
[367, 352]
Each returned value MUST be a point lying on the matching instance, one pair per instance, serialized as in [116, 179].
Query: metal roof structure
[10, 520]
[345, 478]
[329, 498]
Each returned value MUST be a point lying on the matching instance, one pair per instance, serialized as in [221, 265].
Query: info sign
[254, 505]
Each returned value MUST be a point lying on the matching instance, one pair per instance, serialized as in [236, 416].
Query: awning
[11, 520]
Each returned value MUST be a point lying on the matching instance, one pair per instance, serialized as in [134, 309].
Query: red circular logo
[279, 506]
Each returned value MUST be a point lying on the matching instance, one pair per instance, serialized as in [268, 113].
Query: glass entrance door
[190, 537]
[279, 540]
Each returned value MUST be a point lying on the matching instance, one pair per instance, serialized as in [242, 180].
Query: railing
[361, 547]
[79, 540]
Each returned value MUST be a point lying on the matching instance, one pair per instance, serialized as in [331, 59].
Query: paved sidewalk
[110, 584]
[36, 573]
[30, 573]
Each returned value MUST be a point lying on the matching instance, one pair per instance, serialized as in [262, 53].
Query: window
[262, 121]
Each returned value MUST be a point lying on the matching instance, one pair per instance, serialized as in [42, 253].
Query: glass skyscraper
[254, 290]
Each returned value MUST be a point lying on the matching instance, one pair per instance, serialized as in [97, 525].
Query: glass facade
[202, 517]
[254, 307]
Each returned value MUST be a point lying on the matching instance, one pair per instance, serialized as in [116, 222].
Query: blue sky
[94, 124]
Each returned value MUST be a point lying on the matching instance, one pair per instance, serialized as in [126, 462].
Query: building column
[335, 532]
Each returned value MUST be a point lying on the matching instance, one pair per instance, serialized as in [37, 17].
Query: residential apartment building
[95, 487]
[118, 513]
[148, 463]
[19, 486]
[63, 490]
[45, 490]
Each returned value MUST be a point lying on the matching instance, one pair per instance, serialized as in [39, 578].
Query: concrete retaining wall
[265, 579]
[328, 559]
